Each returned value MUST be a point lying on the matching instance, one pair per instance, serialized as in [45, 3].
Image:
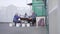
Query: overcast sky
[18, 3]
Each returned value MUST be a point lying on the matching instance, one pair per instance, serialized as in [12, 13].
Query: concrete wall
[52, 8]
[58, 17]
[52, 4]
[53, 22]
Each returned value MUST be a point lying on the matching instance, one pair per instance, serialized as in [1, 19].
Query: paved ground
[5, 29]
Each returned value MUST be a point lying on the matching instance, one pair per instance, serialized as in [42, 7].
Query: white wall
[9, 7]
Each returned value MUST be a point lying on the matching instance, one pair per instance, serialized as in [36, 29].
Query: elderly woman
[16, 19]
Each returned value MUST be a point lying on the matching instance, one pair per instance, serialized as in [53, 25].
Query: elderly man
[33, 17]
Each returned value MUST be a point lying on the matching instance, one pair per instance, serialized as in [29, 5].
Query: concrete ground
[5, 29]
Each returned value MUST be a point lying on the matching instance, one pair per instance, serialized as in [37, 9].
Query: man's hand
[30, 18]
